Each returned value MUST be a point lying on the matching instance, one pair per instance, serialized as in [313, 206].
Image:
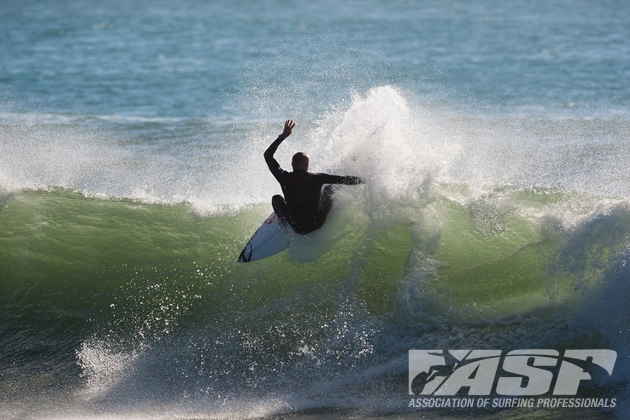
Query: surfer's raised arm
[272, 163]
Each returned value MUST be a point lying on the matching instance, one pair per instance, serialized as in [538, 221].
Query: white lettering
[477, 375]
[539, 379]
[570, 374]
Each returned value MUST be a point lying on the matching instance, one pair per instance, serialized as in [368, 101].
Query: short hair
[299, 160]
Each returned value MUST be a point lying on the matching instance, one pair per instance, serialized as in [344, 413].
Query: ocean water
[495, 140]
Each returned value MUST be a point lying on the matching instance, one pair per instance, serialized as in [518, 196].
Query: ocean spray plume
[381, 138]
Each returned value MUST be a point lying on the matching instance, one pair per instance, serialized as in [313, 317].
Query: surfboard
[271, 237]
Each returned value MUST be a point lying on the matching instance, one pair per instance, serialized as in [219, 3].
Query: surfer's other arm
[338, 179]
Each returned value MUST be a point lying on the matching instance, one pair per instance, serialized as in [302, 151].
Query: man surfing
[304, 207]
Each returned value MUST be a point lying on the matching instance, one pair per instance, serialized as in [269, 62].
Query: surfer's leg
[325, 204]
[326, 200]
[281, 208]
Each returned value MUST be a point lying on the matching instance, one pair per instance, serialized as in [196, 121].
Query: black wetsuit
[305, 208]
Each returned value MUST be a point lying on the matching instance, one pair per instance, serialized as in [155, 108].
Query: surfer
[304, 205]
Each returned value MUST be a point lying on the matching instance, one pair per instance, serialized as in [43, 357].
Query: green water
[91, 284]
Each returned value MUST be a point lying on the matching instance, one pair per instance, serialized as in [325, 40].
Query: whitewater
[495, 216]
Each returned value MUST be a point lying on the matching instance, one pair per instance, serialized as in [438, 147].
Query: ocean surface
[495, 138]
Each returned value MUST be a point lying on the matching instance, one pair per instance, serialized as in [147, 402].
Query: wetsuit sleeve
[337, 179]
[272, 163]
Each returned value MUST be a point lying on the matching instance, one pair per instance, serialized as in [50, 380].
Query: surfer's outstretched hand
[288, 128]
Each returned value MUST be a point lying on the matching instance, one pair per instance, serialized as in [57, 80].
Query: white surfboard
[271, 237]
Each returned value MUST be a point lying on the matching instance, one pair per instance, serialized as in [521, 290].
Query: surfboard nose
[246, 254]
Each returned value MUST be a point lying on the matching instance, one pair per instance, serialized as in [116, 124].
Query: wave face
[119, 305]
[494, 138]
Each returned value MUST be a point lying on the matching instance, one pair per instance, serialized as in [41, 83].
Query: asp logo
[527, 372]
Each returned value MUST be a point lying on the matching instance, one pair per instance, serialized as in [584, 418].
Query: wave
[52, 118]
[137, 303]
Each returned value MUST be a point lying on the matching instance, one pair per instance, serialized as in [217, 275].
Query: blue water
[494, 136]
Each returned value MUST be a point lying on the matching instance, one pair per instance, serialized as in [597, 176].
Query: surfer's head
[300, 161]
